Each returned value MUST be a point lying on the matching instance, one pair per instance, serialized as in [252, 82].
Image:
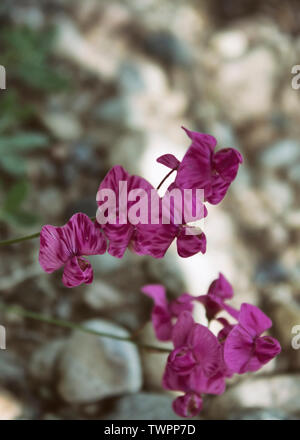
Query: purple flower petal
[77, 270]
[161, 316]
[212, 305]
[206, 349]
[174, 381]
[86, 238]
[244, 350]
[203, 169]
[253, 319]
[194, 170]
[231, 310]
[182, 360]
[54, 250]
[225, 164]
[153, 240]
[238, 350]
[158, 293]
[121, 232]
[182, 329]
[78, 237]
[119, 237]
[188, 245]
[182, 303]
[188, 405]
[242, 353]
[169, 160]
[201, 139]
[224, 332]
[221, 288]
[201, 383]
[266, 348]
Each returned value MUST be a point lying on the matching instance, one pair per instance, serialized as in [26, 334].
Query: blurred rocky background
[95, 83]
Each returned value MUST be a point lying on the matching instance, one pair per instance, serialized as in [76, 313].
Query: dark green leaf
[25, 218]
[13, 164]
[15, 196]
[22, 142]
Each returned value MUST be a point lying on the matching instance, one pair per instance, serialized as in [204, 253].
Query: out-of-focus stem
[71, 325]
[25, 238]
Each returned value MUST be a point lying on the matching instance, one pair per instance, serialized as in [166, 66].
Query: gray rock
[270, 272]
[44, 359]
[11, 368]
[51, 202]
[114, 110]
[127, 151]
[278, 392]
[73, 45]
[63, 126]
[143, 406]
[224, 133]
[249, 201]
[246, 85]
[92, 368]
[103, 264]
[168, 48]
[83, 154]
[100, 296]
[30, 16]
[168, 271]
[294, 173]
[277, 193]
[261, 414]
[281, 154]
[130, 79]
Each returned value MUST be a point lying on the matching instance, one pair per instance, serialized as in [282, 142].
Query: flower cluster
[201, 361]
[138, 218]
[131, 214]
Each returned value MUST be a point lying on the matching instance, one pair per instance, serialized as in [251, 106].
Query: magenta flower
[155, 240]
[66, 246]
[120, 229]
[202, 168]
[164, 312]
[188, 405]
[151, 234]
[222, 336]
[245, 349]
[219, 291]
[224, 332]
[196, 365]
[169, 160]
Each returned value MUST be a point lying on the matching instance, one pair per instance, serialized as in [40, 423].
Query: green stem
[71, 325]
[165, 178]
[18, 240]
[26, 237]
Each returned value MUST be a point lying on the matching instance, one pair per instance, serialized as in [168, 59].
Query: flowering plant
[201, 361]
[132, 215]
